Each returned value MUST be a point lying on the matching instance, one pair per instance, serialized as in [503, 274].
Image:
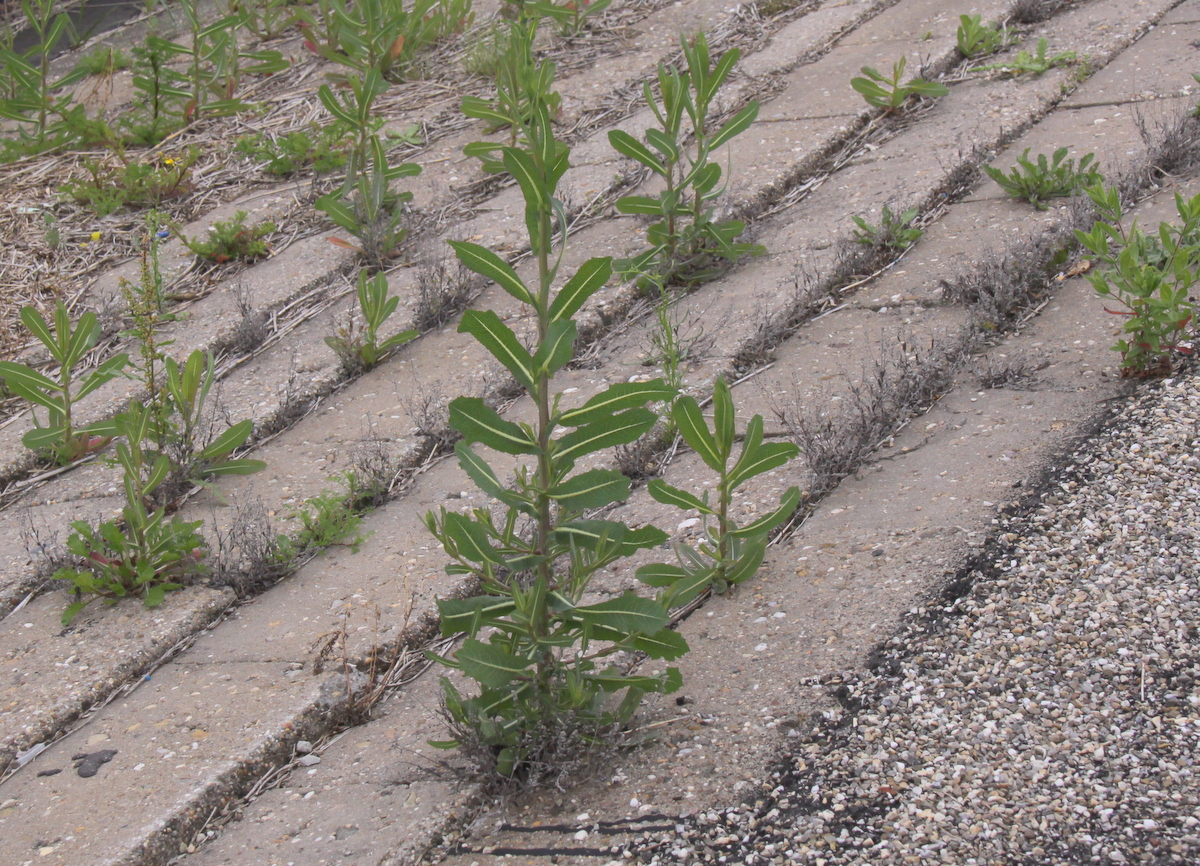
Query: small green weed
[323, 148]
[68, 346]
[894, 232]
[1034, 64]
[889, 94]
[1057, 177]
[108, 188]
[231, 240]
[328, 518]
[143, 553]
[361, 349]
[571, 17]
[103, 60]
[976, 39]
[1152, 276]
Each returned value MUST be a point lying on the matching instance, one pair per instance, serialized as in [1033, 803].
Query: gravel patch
[1047, 710]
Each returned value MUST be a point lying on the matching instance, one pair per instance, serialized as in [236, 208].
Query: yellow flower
[95, 236]
[169, 161]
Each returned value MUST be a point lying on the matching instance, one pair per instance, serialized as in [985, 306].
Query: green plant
[215, 64]
[103, 60]
[889, 94]
[545, 671]
[381, 34]
[231, 240]
[373, 212]
[328, 518]
[30, 97]
[1035, 64]
[1152, 276]
[571, 17]
[687, 243]
[67, 346]
[324, 148]
[522, 84]
[264, 19]
[109, 187]
[729, 554]
[976, 39]
[895, 232]
[143, 553]
[1057, 177]
[361, 349]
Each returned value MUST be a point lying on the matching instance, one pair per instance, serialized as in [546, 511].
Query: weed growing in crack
[571, 17]
[888, 93]
[107, 188]
[895, 232]
[361, 348]
[976, 39]
[1017, 373]
[246, 557]
[1034, 64]
[329, 517]
[687, 244]
[144, 553]
[231, 240]
[68, 346]
[1151, 277]
[1057, 177]
[729, 554]
[323, 148]
[547, 669]
[428, 411]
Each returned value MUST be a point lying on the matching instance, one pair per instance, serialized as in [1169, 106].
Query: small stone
[303, 747]
[308, 760]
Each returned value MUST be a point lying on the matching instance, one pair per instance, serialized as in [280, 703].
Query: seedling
[889, 94]
[328, 518]
[143, 554]
[362, 349]
[103, 60]
[571, 16]
[728, 554]
[1152, 277]
[893, 232]
[687, 243]
[1034, 64]
[231, 240]
[68, 346]
[1057, 177]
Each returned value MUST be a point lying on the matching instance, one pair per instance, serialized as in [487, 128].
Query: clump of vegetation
[571, 16]
[68, 346]
[688, 244]
[976, 39]
[894, 232]
[103, 60]
[107, 188]
[360, 348]
[888, 93]
[1057, 177]
[1034, 64]
[1151, 276]
[231, 240]
[323, 148]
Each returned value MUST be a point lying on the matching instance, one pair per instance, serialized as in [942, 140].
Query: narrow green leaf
[663, 644]
[688, 587]
[760, 459]
[499, 339]
[557, 350]
[522, 167]
[640, 205]
[470, 614]
[629, 613]
[753, 551]
[642, 538]
[488, 664]
[589, 533]
[604, 433]
[470, 537]
[660, 574]
[662, 492]
[690, 421]
[232, 438]
[479, 471]
[769, 521]
[592, 489]
[617, 398]
[627, 145]
[242, 466]
[487, 264]
[479, 423]
[590, 277]
[723, 419]
[735, 126]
